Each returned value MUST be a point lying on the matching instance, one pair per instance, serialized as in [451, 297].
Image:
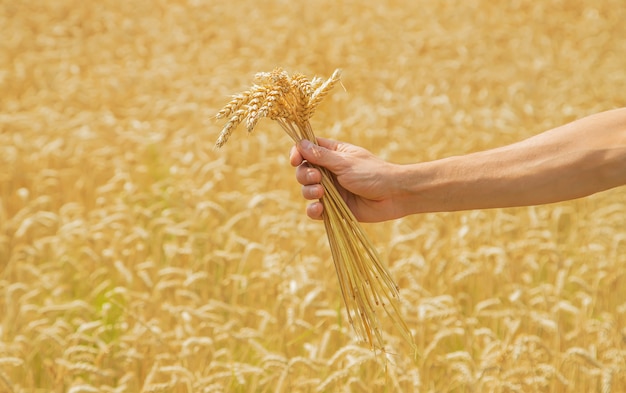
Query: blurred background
[135, 257]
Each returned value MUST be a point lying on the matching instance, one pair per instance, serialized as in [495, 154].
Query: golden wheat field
[136, 258]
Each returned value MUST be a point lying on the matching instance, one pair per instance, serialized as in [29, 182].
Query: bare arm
[567, 162]
[570, 161]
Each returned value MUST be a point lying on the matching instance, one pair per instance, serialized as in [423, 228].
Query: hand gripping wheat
[365, 282]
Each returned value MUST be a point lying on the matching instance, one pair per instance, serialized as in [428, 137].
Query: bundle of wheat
[365, 282]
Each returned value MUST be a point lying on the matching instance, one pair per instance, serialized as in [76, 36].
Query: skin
[571, 161]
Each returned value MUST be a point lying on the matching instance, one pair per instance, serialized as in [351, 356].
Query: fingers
[314, 191]
[318, 154]
[295, 155]
[310, 178]
[307, 175]
[295, 158]
[315, 210]
[330, 144]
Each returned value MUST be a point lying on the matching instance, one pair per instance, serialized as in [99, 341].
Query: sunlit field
[136, 258]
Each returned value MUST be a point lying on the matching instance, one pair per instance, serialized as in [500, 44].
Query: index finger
[295, 158]
[330, 144]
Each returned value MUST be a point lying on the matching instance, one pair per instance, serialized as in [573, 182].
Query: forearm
[571, 161]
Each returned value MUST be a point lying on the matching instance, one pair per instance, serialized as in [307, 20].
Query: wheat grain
[257, 98]
[160, 387]
[341, 373]
[81, 351]
[83, 388]
[458, 331]
[549, 372]
[233, 122]
[234, 105]
[267, 108]
[83, 367]
[607, 379]
[583, 354]
[321, 92]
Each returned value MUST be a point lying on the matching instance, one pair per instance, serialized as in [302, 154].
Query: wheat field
[136, 258]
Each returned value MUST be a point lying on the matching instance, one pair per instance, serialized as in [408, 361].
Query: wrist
[429, 187]
[409, 188]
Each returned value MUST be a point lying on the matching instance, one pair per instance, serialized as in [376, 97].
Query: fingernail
[306, 144]
[309, 174]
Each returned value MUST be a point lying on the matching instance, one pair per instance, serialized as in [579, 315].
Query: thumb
[318, 155]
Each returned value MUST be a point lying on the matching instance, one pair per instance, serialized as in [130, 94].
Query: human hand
[363, 180]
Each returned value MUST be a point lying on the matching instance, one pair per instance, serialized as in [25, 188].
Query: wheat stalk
[364, 280]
